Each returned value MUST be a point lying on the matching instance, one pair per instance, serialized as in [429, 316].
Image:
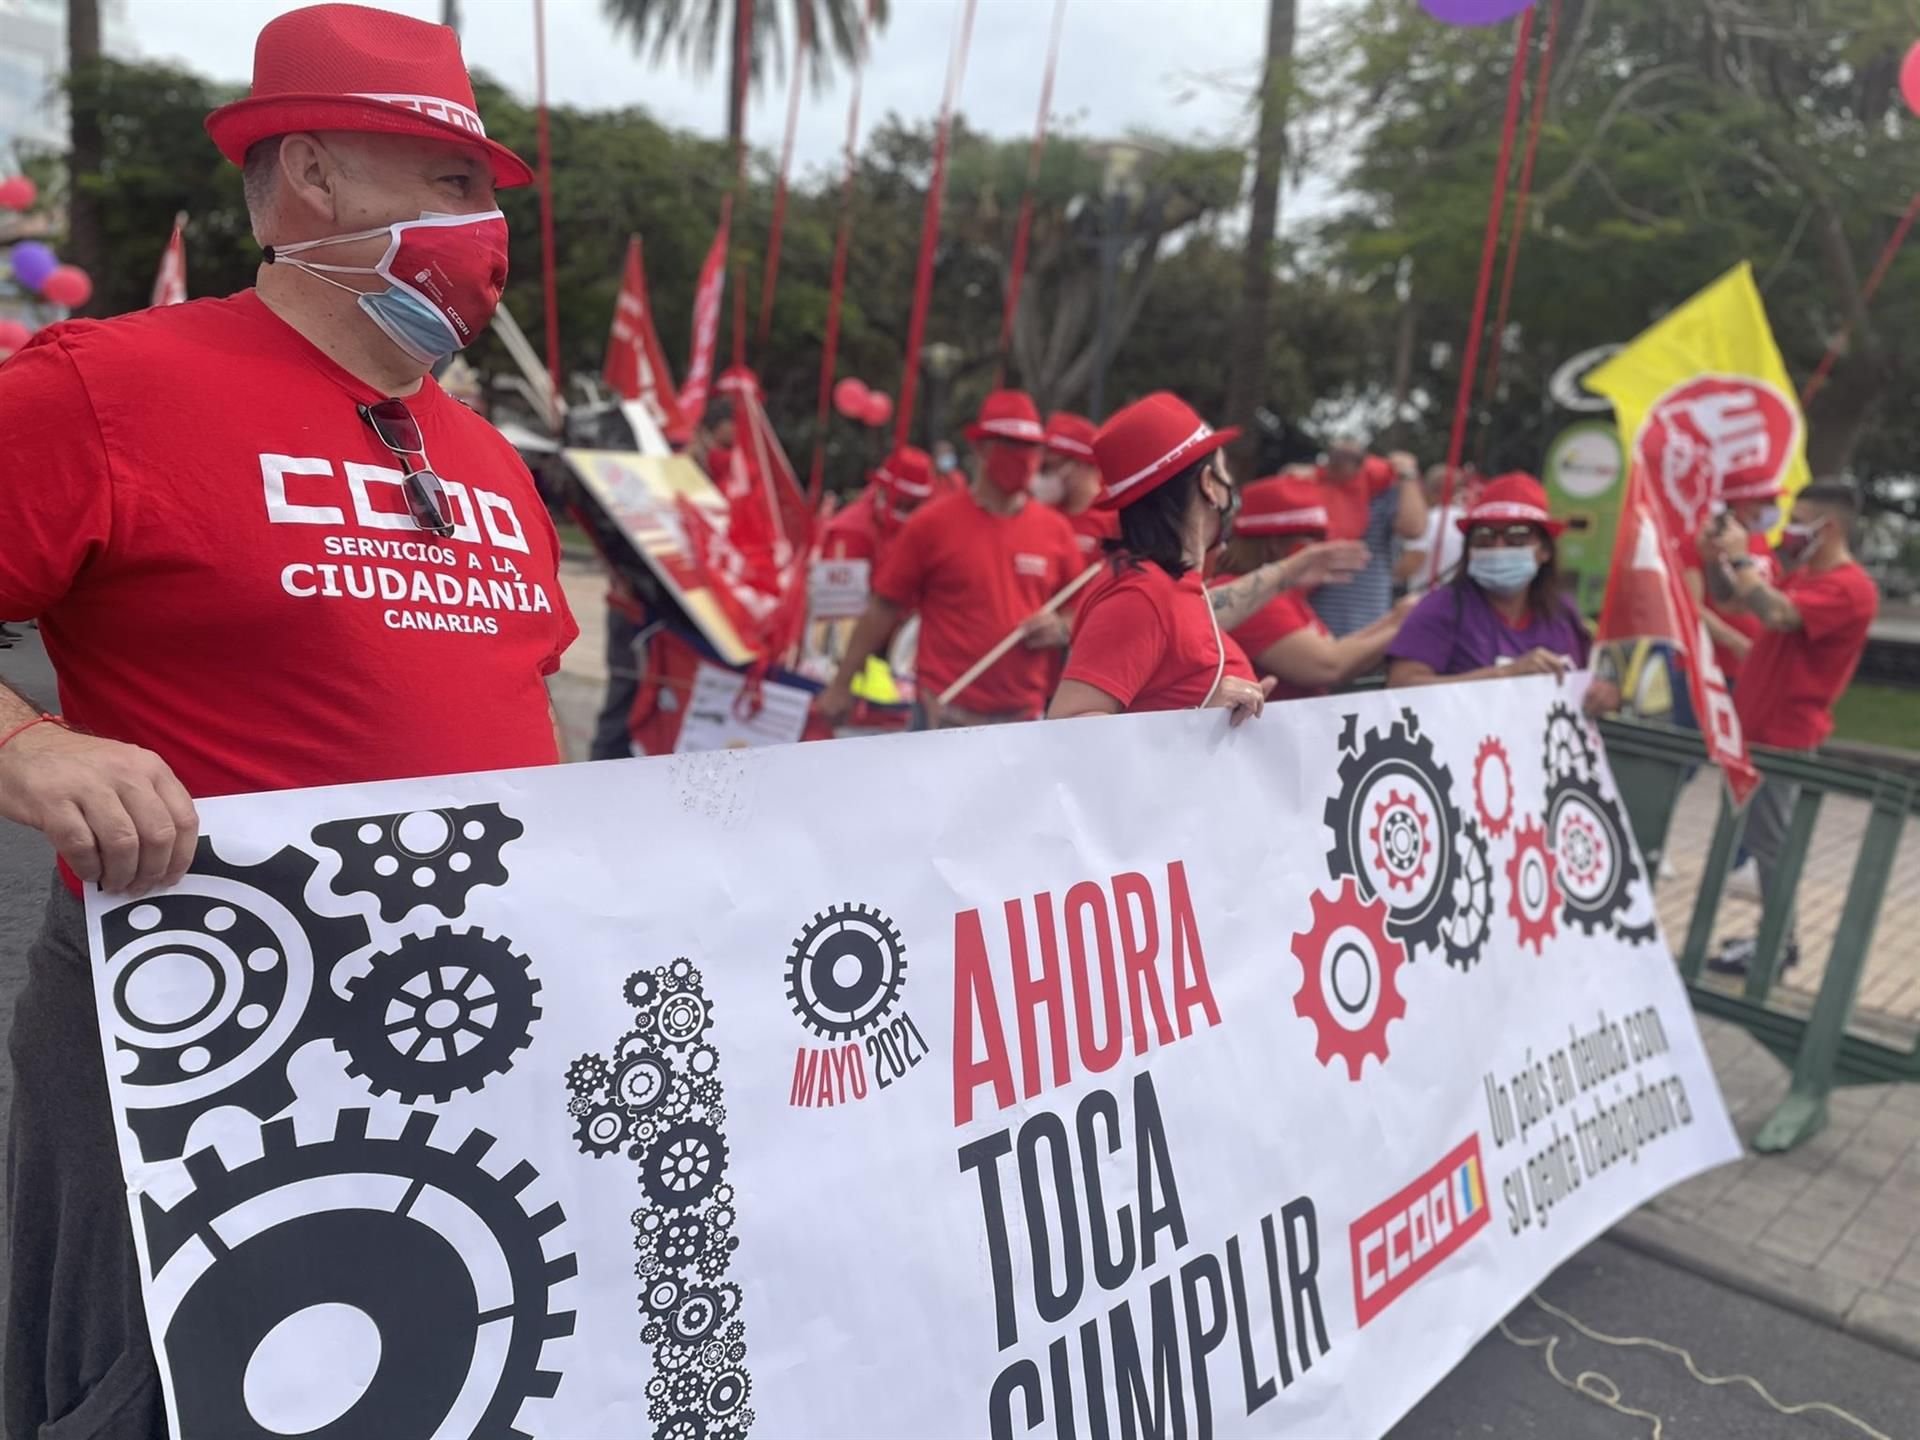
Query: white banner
[954, 1084]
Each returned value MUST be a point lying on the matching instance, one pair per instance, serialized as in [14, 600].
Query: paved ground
[1826, 1232]
[1891, 987]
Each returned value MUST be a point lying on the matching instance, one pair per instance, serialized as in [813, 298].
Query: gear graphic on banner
[421, 1333]
[421, 857]
[1396, 828]
[1533, 896]
[1595, 865]
[1570, 752]
[1349, 966]
[659, 1095]
[1493, 787]
[1472, 919]
[845, 971]
[242, 937]
[443, 1012]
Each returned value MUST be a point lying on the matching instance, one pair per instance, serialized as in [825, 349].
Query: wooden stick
[1011, 638]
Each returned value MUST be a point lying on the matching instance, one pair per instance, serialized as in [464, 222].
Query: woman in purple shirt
[1502, 612]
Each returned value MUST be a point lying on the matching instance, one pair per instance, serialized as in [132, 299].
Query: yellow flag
[1705, 405]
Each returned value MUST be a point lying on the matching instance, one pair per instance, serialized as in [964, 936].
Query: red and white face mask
[444, 273]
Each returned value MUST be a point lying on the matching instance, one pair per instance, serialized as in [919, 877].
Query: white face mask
[1764, 522]
[1049, 487]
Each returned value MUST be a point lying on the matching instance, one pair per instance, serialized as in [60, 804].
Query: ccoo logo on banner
[660, 1098]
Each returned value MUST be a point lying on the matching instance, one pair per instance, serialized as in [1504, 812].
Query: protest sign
[698, 1096]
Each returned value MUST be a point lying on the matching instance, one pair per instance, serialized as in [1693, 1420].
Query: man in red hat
[266, 552]
[1069, 480]
[1755, 504]
[863, 529]
[977, 565]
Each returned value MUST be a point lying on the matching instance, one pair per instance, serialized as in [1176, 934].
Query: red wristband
[42, 719]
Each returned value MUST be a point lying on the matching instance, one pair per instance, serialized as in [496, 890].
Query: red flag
[170, 281]
[636, 364]
[1647, 598]
[706, 325]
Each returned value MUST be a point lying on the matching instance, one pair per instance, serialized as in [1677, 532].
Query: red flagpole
[930, 233]
[1017, 268]
[1521, 198]
[546, 211]
[739, 317]
[1496, 205]
[1892, 248]
[772, 276]
[830, 345]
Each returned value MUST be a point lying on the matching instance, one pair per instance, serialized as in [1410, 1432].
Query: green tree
[692, 28]
[1679, 140]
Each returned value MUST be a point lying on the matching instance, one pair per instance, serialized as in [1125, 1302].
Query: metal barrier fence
[1650, 763]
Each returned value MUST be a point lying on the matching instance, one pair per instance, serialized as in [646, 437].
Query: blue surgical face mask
[1505, 570]
[1764, 522]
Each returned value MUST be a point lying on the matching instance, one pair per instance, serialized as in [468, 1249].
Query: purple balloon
[1473, 12]
[33, 263]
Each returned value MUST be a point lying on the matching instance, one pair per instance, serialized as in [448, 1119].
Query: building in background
[33, 57]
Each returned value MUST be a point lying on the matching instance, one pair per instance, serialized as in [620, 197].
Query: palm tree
[693, 29]
[1247, 387]
[86, 144]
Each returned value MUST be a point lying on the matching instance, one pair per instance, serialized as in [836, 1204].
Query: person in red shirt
[977, 564]
[863, 529]
[1152, 637]
[1069, 480]
[1756, 506]
[1374, 501]
[266, 551]
[1284, 639]
[1814, 626]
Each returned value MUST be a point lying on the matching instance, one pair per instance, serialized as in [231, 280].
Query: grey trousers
[78, 1365]
[1768, 812]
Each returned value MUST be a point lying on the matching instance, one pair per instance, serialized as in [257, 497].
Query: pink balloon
[850, 398]
[12, 336]
[18, 193]
[69, 286]
[1910, 78]
[879, 408]
[1473, 12]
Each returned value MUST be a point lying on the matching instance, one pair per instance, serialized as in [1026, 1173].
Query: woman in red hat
[1285, 639]
[1501, 613]
[1153, 638]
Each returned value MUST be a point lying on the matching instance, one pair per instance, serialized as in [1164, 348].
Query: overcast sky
[1176, 66]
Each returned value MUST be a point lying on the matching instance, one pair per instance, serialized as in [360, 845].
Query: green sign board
[1585, 477]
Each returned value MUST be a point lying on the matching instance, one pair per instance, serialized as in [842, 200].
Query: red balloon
[1910, 78]
[18, 193]
[879, 408]
[12, 336]
[69, 286]
[850, 398]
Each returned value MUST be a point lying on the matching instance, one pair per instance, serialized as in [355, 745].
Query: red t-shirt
[1149, 641]
[219, 552]
[1348, 502]
[1792, 677]
[1092, 529]
[973, 576]
[1740, 618]
[1274, 621]
[854, 531]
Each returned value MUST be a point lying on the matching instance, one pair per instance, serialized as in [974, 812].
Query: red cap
[907, 473]
[1738, 486]
[1007, 415]
[1070, 435]
[1511, 499]
[1148, 443]
[1281, 505]
[348, 67]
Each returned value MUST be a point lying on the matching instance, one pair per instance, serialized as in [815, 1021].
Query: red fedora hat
[1511, 499]
[1281, 505]
[1070, 435]
[1148, 443]
[907, 473]
[1007, 415]
[348, 67]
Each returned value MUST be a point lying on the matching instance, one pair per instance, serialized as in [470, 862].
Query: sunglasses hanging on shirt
[427, 500]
